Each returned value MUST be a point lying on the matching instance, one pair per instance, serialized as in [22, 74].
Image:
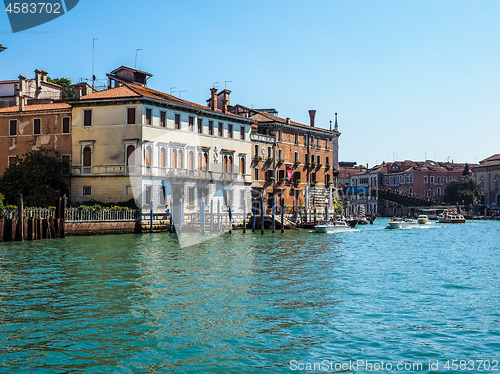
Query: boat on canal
[422, 219]
[451, 217]
[332, 227]
[402, 223]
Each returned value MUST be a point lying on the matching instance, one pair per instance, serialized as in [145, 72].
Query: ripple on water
[250, 303]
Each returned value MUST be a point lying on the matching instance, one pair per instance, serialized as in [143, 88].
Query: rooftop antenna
[214, 84]
[137, 50]
[180, 92]
[172, 90]
[93, 76]
[330, 125]
[225, 84]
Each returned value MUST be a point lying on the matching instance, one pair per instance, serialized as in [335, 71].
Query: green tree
[65, 83]
[38, 176]
[463, 189]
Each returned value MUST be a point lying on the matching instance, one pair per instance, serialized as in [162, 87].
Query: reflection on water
[244, 303]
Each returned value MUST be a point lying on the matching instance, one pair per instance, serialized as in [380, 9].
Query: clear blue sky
[406, 77]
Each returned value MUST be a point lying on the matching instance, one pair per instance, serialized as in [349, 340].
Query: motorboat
[451, 217]
[332, 227]
[422, 219]
[402, 223]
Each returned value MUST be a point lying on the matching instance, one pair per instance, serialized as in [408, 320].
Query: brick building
[487, 173]
[29, 127]
[291, 160]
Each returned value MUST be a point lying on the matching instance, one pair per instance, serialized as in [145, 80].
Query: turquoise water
[247, 303]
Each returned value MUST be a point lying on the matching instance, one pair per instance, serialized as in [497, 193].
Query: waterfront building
[131, 141]
[487, 173]
[24, 128]
[291, 160]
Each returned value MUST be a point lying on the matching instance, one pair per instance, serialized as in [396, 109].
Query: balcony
[262, 138]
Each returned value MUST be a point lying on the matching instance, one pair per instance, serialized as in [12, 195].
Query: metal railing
[103, 215]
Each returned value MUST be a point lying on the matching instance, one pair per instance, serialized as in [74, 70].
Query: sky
[409, 79]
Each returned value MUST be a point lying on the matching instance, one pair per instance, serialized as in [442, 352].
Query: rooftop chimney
[78, 91]
[224, 105]
[213, 98]
[287, 120]
[38, 78]
[336, 124]
[44, 76]
[312, 114]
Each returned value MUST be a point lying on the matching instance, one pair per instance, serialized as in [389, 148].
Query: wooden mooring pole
[20, 220]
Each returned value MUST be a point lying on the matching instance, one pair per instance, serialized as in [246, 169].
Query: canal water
[252, 303]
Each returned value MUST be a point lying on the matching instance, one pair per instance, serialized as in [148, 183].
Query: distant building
[487, 173]
[34, 91]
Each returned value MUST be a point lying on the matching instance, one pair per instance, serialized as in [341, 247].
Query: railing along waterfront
[103, 215]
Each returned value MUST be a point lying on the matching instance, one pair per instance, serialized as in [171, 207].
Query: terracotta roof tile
[36, 107]
[112, 93]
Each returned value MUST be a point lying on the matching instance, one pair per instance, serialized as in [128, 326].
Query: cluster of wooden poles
[33, 228]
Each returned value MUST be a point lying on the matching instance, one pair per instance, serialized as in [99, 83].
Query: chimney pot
[213, 98]
[312, 114]
[287, 120]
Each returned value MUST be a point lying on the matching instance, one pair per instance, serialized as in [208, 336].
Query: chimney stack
[78, 91]
[224, 105]
[20, 92]
[287, 120]
[336, 124]
[312, 114]
[38, 78]
[44, 76]
[213, 98]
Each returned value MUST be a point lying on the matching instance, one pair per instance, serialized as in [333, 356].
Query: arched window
[87, 156]
[230, 164]
[200, 161]
[496, 182]
[205, 160]
[225, 164]
[163, 157]
[174, 159]
[191, 160]
[130, 155]
[180, 163]
[242, 165]
[149, 155]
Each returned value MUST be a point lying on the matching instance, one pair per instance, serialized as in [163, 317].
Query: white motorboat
[402, 223]
[422, 219]
[332, 227]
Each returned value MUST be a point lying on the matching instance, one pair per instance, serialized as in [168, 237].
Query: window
[13, 127]
[87, 159]
[327, 143]
[191, 123]
[296, 176]
[242, 199]
[87, 190]
[128, 190]
[191, 160]
[439, 179]
[445, 179]
[280, 154]
[425, 180]
[162, 194]
[306, 140]
[242, 132]
[163, 118]
[256, 149]
[148, 194]
[269, 175]
[411, 178]
[191, 196]
[327, 179]
[281, 175]
[149, 156]
[296, 138]
[450, 179]
[177, 121]
[130, 116]
[306, 159]
[12, 160]
[318, 160]
[496, 183]
[280, 135]
[210, 127]
[130, 160]
[37, 126]
[87, 117]
[65, 128]
[205, 161]
[256, 174]
[163, 157]
[66, 161]
[296, 159]
[327, 160]
[220, 128]
[312, 141]
[319, 143]
[432, 178]
[200, 126]
[269, 152]
[149, 115]
[229, 130]
[242, 165]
